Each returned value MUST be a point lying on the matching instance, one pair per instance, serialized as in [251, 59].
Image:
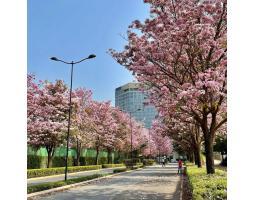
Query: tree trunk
[191, 157]
[50, 151]
[209, 154]
[118, 159]
[78, 153]
[188, 156]
[109, 156]
[97, 154]
[78, 157]
[198, 155]
[208, 139]
[196, 158]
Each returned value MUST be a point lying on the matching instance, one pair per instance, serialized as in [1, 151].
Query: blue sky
[73, 29]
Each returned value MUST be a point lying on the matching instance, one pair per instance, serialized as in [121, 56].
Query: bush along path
[31, 173]
[200, 186]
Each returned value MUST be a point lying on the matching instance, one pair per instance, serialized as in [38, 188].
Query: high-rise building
[131, 100]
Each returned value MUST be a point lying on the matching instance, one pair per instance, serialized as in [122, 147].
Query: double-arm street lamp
[70, 102]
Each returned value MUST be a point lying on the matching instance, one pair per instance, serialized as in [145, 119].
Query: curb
[52, 176]
[35, 194]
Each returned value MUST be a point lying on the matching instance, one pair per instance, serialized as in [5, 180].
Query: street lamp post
[70, 103]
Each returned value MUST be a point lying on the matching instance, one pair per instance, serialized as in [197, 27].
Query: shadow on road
[150, 183]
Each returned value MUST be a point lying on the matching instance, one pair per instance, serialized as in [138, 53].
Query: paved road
[35, 181]
[150, 183]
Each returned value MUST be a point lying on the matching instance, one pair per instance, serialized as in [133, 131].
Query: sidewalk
[60, 177]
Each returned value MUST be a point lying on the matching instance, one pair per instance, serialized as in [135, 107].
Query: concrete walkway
[149, 183]
[61, 177]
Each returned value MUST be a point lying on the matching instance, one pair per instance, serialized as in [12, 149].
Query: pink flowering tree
[122, 132]
[104, 127]
[161, 142]
[33, 92]
[150, 150]
[139, 136]
[33, 108]
[187, 134]
[47, 123]
[180, 55]
[82, 124]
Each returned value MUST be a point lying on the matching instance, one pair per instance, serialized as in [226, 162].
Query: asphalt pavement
[150, 183]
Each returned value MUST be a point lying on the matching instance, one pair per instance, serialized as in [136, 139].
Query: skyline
[49, 34]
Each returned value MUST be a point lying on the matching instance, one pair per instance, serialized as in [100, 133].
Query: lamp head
[54, 58]
[91, 56]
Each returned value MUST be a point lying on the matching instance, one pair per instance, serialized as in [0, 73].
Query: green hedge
[47, 186]
[60, 161]
[36, 162]
[134, 161]
[140, 164]
[148, 162]
[112, 165]
[119, 170]
[91, 160]
[102, 160]
[31, 173]
[137, 166]
[82, 161]
[213, 186]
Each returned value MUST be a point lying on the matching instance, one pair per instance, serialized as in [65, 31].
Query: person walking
[163, 162]
[179, 166]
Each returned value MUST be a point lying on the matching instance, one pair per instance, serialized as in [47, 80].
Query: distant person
[179, 166]
[163, 162]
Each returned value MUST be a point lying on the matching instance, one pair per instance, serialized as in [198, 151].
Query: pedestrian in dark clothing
[179, 166]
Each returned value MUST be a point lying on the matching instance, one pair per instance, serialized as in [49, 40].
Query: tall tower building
[129, 99]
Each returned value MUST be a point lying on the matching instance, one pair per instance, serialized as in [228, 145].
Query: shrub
[134, 167]
[148, 162]
[102, 160]
[140, 164]
[60, 161]
[37, 162]
[112, 165]
[137, 166]
[34, 161]
[59, 170]
[129, 162]
[136, 160]
[47, 186]
[82, 161]
[119, 170]
[119, 158]
[212, 186]
[89, 160]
